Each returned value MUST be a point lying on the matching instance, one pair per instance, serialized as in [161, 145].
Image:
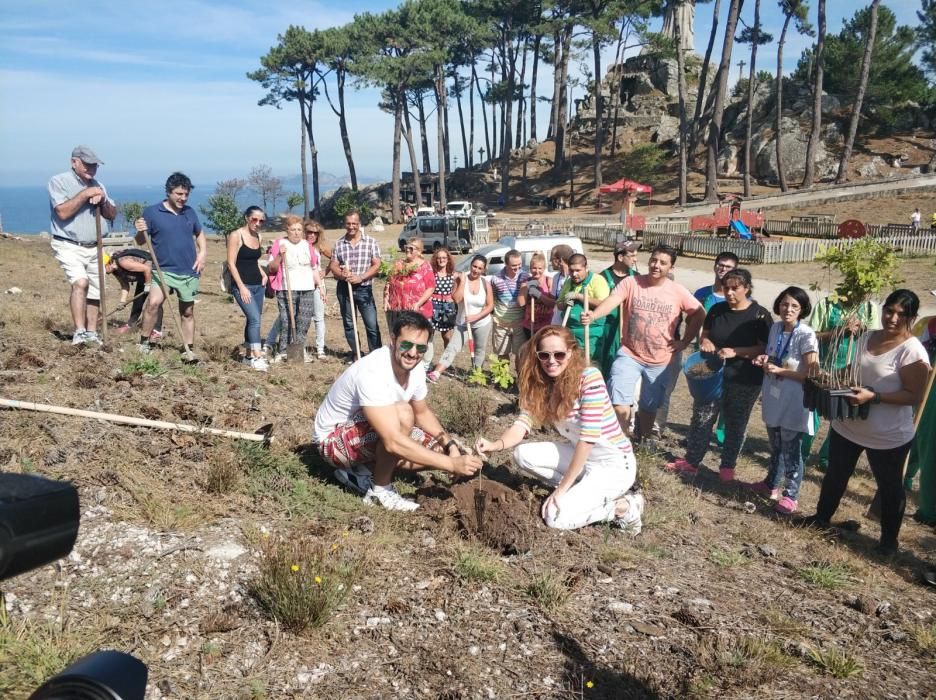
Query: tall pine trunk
[471, 125]
[842, 174]
[703, 78]
[781, 173]
[536, 49]
[750, 109]
[440, 131]
[313, 151]
[683, 145]
[302, 161]
[557, 85]
[487, 138]
[461, 121]
[599, 106]
[510, 64]
[399, 105]
[521, 104]
[718, 108]
[343, 127]
[809, 173]
[414, 164]
[423, 138]
[560, 133]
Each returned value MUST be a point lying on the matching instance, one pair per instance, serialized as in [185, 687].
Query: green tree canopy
[894, 79]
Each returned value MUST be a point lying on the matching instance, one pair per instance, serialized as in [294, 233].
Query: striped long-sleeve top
[591, 419]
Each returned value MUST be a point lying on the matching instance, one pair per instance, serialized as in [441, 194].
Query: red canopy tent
[625, 185]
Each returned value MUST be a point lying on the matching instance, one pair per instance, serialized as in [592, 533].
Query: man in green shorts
[180, 247]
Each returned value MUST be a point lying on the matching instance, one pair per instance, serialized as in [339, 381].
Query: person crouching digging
[594, 468]
[375, 419]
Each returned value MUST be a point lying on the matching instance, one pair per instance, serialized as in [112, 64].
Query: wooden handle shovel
[587, 327]
[188, 355]
[102, 280]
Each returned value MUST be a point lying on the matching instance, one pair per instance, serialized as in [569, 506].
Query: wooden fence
[787, 250]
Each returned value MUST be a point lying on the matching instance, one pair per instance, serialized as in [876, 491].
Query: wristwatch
[876, 398]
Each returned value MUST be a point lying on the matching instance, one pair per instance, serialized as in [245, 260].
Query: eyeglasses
[311, 231]
[256, 220]
[407, 345]
[411, 249]
[546, 356]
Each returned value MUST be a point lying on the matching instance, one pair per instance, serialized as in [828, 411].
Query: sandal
[681, 466]
[786, 505]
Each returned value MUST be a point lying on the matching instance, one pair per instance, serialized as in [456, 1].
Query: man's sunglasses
[546, 356]
[407, 345]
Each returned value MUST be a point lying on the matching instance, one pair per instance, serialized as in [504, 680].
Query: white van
[527, 245]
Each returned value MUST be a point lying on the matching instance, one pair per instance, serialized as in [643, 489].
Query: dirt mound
[495, 514]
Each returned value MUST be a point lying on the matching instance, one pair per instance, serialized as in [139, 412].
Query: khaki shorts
[79, 263]
[508, 340]
[185, 286]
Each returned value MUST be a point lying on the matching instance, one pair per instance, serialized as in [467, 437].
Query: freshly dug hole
[496, 515]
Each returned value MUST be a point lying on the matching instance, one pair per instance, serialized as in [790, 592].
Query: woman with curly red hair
[593, 469]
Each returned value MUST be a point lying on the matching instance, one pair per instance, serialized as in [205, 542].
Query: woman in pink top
[410, 284]
[593, 468]
[894, 370]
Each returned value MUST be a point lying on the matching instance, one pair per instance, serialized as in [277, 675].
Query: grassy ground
[239, 572]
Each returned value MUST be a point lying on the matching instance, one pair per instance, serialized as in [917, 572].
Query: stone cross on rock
[681, 12]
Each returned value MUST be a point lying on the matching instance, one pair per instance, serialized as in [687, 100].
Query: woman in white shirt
[301, 262]
[894, 368]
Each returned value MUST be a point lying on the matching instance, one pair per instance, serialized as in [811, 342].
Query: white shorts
[79, 263]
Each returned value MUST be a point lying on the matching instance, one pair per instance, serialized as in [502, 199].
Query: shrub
[221, 213]
[302, 581]
[476, 565]
[835, 662]
[147, 366]
[548, 590]
[461, 409]
[644, 163]
[346, 200]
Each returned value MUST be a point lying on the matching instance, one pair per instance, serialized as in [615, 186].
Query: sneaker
[358, 478]
[306, 356]
[79, 337]
[321, 355]
[125, 328]
[432, 376]
[762, 488]
[681, 466]
[144, 348]
[388, 498]
[279, 357]
[265, 349]
[786, 505]
[156, 336]
[631, 522]
[813, 521]
[259, 364]
[726, 474]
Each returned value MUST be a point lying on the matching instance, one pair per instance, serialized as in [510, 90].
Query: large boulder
[794, 141]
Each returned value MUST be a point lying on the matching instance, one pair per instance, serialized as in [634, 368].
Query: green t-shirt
[827, 316]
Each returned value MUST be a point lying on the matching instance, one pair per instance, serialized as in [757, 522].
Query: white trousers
[607, 476]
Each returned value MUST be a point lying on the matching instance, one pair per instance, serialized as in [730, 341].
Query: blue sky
[161, 86]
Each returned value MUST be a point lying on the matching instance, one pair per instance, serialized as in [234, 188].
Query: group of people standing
[634, 327]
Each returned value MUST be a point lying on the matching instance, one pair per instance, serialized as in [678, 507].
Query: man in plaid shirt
[356, 260]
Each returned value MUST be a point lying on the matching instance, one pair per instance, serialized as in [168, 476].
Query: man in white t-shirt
[375, 417]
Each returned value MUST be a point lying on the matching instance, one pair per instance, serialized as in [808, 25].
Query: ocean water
[25, 209]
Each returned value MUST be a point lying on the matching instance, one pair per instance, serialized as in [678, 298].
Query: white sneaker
[92, 338]
[306, 356]
[144, 348]
[278, 357]
[259, 364]
[388, 498]
[631, 522]
[321, 355]
[79, 337]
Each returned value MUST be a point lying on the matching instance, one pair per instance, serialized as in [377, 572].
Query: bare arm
[72, 206]
[233, 245]
[133, 265]
[509, 439]
[693, 326]
[386, 423]
[371, 271]
[613, 300]
[201, 254]
[912, 385]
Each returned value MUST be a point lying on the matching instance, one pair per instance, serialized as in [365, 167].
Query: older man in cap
[73, 196]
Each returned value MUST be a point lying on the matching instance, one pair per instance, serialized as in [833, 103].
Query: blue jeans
[252, 311]
[786, 460]
[364, 301]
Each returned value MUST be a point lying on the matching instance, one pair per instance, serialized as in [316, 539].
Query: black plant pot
[832, 404]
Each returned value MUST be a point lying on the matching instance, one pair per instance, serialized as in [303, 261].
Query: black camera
[38, 524]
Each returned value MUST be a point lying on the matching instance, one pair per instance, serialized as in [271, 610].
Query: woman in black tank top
[248, 280]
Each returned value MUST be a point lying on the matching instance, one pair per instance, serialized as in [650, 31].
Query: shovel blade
[294, 353]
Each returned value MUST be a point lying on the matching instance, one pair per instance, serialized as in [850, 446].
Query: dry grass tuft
[836, 662]
[303, 580]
